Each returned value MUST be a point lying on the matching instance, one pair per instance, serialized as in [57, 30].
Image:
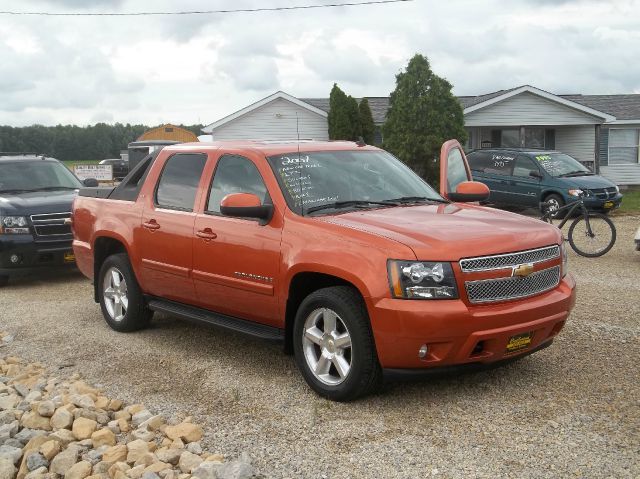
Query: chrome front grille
[603, 193]
[51, 224]
[503, 289]
[501, 261]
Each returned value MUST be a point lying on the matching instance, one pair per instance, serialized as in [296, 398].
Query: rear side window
[493, 162]
[179, 181]
[235, 174]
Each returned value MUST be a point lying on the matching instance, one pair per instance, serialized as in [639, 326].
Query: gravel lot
[572, 410]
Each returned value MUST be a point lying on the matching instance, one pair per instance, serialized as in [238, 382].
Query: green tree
[339, 123]
[423, 113]
[366, 122]
[355, 131]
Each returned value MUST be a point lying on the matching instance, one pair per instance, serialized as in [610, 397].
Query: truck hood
[36, 202]
[448, 232]
[589, 182]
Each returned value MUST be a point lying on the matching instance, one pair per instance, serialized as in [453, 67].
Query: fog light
[14, 258]
[423, 351]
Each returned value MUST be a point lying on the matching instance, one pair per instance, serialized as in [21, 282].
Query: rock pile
[52, 428]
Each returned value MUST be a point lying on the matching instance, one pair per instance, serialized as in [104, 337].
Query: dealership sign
[99, 172]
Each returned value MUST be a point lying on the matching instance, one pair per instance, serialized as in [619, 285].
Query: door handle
[151, 225]
[206, 234]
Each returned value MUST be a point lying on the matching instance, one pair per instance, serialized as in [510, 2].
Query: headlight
[575, 192]
[14, 225]
[565, 258]
[617, 189]
[421, 280]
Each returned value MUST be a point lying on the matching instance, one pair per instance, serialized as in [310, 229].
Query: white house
[602, 131]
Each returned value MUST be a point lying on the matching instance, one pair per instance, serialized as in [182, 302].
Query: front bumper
[457, 333]
[598, 204]
[32, 255]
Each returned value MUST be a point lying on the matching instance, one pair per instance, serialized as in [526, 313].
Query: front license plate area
[519, 342]
[69, 258]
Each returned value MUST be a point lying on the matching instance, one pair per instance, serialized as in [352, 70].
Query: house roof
[254, 106]
[622, 107]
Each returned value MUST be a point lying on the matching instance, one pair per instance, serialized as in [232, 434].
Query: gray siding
[622, 174]
[577, 141]
[528, 109]
[274, 121]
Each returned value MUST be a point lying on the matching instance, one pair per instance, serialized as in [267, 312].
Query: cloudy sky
[199, 68]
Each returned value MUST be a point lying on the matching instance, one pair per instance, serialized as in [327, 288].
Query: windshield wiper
[576, 173]
[416, 199]
[347, 204]
[53, 188]
[16, 190]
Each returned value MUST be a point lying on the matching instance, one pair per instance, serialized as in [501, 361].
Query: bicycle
[599, 231]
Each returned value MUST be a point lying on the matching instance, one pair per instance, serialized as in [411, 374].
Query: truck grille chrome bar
[51, 224]
[502, 261]
[504, 289]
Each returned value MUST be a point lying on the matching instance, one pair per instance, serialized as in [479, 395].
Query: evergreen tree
[355, 131]
[423, 113]
[366, 122]
[339, 118]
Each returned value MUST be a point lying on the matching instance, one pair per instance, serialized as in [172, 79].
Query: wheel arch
[103, 247]
[301, 285]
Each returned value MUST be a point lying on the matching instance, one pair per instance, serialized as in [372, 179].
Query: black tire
[557, 200]
[364, 373]
[4, 281]
[603, 229]
[136, 315]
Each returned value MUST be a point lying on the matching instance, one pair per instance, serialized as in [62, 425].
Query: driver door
[454, 167]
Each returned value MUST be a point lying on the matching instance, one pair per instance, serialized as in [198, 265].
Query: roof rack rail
[19, 153]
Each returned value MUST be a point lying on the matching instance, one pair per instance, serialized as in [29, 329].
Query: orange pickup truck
[336, 249]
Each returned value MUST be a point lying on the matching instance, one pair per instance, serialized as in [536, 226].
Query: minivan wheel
[333, 344]
[555, 203]
[121, 299]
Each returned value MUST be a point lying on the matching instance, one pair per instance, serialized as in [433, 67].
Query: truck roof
[269, 148]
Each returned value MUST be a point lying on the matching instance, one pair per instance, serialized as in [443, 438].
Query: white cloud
[189, 69]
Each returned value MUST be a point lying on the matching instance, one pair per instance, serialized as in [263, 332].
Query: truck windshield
[315, 181]
[37, 175]
[559, 164]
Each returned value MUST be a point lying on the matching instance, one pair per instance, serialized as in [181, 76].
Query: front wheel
[121, 299]
[593, 239]
[333, 344]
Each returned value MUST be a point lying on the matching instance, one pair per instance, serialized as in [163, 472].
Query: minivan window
[179, 181]
[523, 166]
[494, 162]
[559, 164]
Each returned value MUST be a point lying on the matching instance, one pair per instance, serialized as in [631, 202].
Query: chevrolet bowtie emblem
[522, 270]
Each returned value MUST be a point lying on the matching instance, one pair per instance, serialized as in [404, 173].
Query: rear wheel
[333, 344]
[121, 299]
[592, 243]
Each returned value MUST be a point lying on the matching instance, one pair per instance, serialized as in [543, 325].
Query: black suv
[35, 206]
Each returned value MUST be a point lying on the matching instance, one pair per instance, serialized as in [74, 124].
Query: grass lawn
[630, 202]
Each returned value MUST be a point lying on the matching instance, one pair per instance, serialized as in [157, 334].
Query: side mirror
[535, 174]
[470, 191]
[90, 182]
[245, 205]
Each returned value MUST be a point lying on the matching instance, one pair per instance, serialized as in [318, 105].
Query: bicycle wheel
[601, 239]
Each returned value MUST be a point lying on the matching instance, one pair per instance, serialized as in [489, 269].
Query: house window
[506, 138]
[624, 144]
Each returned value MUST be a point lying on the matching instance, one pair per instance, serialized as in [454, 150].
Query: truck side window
[179, 180]
[235, 174]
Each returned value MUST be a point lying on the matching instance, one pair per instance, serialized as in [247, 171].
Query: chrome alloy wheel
[115, 294]
[327, 346]
[553, 205]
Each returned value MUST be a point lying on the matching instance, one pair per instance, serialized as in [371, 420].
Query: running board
[199, 315]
